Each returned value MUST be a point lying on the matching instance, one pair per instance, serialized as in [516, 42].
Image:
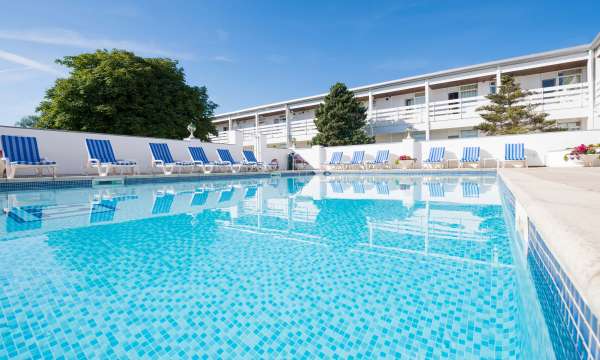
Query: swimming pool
[313, 266]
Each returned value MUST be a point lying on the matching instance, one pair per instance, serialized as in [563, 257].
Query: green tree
[118, 92]
[29, 121]
[340, 119]
[506, 113]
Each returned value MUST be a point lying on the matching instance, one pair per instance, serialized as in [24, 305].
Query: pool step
[108, 182]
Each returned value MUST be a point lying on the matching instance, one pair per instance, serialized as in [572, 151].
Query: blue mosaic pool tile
[573, 326]
[21, 185]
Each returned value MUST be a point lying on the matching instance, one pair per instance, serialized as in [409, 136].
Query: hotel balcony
[440, 105]
[560, 102]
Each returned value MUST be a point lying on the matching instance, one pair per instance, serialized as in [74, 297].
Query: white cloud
[29, 63]
[222, 58]
[71, 38]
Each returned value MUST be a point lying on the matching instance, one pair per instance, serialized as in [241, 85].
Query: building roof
[497, 64]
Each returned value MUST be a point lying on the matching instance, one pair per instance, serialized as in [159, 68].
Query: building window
[468, 133]
[418, 135]
[568, 77]
[467, 91]
[571, 126]
[492, 87]
[417, 99]
[548, 83]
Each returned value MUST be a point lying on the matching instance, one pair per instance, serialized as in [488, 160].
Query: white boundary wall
[69, 150]
[537, 147]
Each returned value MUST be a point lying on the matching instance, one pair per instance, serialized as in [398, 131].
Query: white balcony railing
[303, 130]
[413, 114]
[221, 138]
[551, 99]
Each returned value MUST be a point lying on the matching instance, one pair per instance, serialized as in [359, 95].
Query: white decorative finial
[191, 128]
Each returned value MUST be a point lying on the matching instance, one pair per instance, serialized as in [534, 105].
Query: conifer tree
[341, 119]
[506, 113]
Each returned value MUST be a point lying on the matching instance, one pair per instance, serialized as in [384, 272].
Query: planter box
[405, 164]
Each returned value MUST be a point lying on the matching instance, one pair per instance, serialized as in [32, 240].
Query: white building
[564, 83]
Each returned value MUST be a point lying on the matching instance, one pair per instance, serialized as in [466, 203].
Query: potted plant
[583, 154]
[405, 162]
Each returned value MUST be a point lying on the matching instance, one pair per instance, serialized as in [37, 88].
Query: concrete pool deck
[564, 205]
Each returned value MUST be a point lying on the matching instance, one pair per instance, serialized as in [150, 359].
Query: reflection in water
[395, 265]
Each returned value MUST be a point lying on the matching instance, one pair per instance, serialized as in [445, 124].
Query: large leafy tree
[341, 119]
[507, 114]
[118, 92]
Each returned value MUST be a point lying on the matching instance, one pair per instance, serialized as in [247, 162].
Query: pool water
[298, 267]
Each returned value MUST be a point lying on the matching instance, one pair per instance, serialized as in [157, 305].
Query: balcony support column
[229, 124]
[370, 111]
[428, 122]
[590, 123]
[256, 134]
[288, 129]
[498, 79]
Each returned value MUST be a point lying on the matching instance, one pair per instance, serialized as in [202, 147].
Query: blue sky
[254, 52]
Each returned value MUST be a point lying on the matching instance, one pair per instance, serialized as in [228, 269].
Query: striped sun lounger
[336, 159]
[382, 159]
[162, 159]
[227, 159]
[514, 154]
[201, 160]
[358, 159]
[436, 157]
[471, 155]
[21, 152]
[250, 160]
[102, 157]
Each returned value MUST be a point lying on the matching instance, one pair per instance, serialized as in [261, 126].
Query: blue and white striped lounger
[514, 154]
[336, 159]
[470, 189]
[162, 159]
[471, 155]
[227, 159]
[21, 152]
[382, 159]
[358, 159]
[201, 160]
[102, 157]
[436, 157]
[250, 160]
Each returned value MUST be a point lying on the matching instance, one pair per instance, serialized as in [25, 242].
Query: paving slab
[564, 205]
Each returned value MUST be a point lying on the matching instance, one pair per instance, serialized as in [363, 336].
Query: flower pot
[405, 164]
